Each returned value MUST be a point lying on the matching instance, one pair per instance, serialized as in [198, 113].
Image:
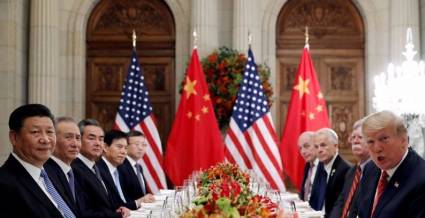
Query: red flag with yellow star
[306, 112]
[195, 140]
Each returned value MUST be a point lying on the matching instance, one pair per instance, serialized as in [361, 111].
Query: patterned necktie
[308, 183]
[139, 171]
[379, 190]
[353, 189]
[118, 185]
[62, 206]
[71, 183]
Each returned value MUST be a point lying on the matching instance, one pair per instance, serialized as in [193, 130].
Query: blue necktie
[71, 183]
[118, 185]
[62, 206]
[322, 187]
[139, 174]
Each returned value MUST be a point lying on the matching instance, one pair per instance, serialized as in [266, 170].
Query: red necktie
[380, 190]
[353, 189]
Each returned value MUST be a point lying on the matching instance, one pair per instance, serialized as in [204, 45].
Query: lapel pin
[333, 172]
[396, 184]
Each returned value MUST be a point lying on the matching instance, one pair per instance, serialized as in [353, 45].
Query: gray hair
[306, 134]
[329, 133]
[87, 122]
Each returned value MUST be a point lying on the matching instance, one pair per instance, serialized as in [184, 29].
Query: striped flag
[251, 139]
[135, 112]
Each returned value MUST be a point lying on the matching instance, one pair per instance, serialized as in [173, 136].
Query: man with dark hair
[58, 166]
[114, 155]
[96, 199]
[26, 189]
[131, 172]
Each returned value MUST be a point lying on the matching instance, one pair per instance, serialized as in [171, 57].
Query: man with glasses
[131, 172]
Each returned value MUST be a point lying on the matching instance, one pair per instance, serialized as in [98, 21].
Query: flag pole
[134, 37]
[249, 38]
[195, 39]
[306, 38]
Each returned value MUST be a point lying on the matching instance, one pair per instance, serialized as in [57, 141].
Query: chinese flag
[307, 111]
[195, 141]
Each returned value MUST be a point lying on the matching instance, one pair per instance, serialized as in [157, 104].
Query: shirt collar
[86, 161]
[111, 167]
[362, 165]
[132, 161]
[34, 171]
[328, 166]
[391, 171]
[65, 167]
[316, 162]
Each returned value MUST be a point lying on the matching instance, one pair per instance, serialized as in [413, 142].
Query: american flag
[135, 112]
[251, 140]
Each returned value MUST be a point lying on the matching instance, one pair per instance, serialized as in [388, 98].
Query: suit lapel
[91, 178]
[331, 179]
[58, 178]
[30, 185]
[396, 182]
[109, 181]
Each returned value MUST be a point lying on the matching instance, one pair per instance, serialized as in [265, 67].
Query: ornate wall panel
[337, 49]
[109, 46]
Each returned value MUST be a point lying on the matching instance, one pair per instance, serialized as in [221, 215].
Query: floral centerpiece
[224, 70]
[223, 191]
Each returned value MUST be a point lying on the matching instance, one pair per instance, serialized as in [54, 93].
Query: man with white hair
[309, 153]
[332, 181]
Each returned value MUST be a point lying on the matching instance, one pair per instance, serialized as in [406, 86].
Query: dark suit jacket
[59, 180]
[112, 189]
[20, 195]
[335, 183]
[404, 195]
[129, 182]
[316, 180]
[95, 200]
[339, 204]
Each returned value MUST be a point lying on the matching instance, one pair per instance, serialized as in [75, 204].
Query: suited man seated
[131, 174]
[58, 166]
[26, 189]
[309, 153]
[347, 203]
[332, 180]
[96, 200]
[394, 186]
[114, 155]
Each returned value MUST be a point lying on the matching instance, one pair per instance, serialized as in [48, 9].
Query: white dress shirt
[64, 167]
[90, 164]
[35, 173]
[391, 171]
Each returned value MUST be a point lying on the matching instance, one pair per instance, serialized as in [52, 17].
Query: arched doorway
[337, 48]
[109, 48]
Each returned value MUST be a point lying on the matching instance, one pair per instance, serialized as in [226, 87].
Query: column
[403, 14]
[44, 50]
[245, 19]
[13, 65]
[205, 22]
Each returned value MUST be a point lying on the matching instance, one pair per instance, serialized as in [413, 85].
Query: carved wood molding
[327, 20]
[115, 20]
